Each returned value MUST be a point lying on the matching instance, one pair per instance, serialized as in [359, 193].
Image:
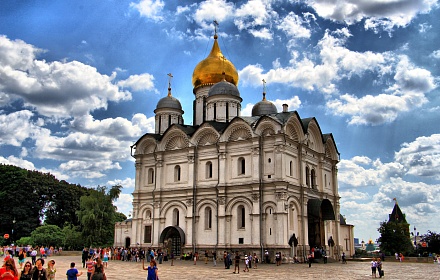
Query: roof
[397, 215]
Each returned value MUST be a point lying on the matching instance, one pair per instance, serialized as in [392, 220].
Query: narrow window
[307, 177]
[270, 231]
[208, 218]
[177, 173]
[241, 166]
[313, 178]
[208, 170]
[176, 217]
[169, 120]
[215, 111]
[227, 111]
[291, 168]
[147, 234]
[150, 176]
[241, 217]
[269, 160]
[325, 180]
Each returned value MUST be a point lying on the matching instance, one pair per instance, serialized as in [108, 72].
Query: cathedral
[229, 182]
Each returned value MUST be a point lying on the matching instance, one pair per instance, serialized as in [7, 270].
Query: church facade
[229, 182]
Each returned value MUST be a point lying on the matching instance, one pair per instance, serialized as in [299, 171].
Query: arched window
[291, 168]
[176, 217]
[208, 218]
[151, 176]
[241, 166]
[325, 180]
[208, 170]
[241, 217]
[313, 178]
[307, 177]
[177, 173]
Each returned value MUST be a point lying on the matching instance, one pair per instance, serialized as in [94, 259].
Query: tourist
[105, 258]
[34, 256]
[225, 259]
[90, 264]
[250, 259]
[171, 257]
[152, 270]
[8, 271]
[214, 258]
[206, 256]
[255, 261]
[72, 273]
[196, 256]
[278, 258]
[98, 272]
[401, 257]
[21, 257]
[246, 264]
[26, 272]
[38, 271]
[84, 256]
[51, 270]
[373, 267]
[344, 260]
[310, 259]
[266, 256]
[379, 267]
[237, 263]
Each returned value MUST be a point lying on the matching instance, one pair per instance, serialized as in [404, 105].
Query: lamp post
[415, 238]
[12, 232]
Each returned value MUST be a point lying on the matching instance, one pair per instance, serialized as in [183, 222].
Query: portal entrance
[127, 242]
[317, 212]
[173, 238]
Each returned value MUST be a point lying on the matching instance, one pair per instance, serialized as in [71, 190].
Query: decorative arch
[240, 132]
[174, 139]
[267, 126]
[330, 148]
[238, 200]
[318, 211]
[315, 140]
[146, 146]
[170, 205]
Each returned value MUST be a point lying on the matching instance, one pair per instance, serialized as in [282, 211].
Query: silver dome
[169, 102]
[264, 107]
[224, 87]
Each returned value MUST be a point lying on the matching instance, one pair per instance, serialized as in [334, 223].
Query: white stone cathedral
[231, 182]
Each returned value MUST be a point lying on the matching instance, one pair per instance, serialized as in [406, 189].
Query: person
[379, 267]
[34, 256]
[98, 272]
[51, 270]
[278, 258]
[105, 258]
[255, 261]
[310, 259]
[152, 270]
[246, 264]
[171, 257]
[344, 260]
[295, 259]
[237, 263]
[26, 272]
[250, 259]
[373, 267]
[206, 256]
[401, 257]
[73, 273]
[266, 256]
[21, 257]
[7, 255]
[90, 264]
[8, 271]
[225, 259]
[38, 271]
[214, 258]
[196, 256]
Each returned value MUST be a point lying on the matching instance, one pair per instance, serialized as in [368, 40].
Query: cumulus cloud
[378, 15]
[124, 204]
[407, 93]
[54, 89]
[127, 183]
[252, 14]
[16, 127]
[211, 10]
[88, 169]
[150, 9]
[138, 82]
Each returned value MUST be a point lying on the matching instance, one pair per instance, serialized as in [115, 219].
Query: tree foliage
[97, 216]
[433, 240]
[48, 235]
[395, 237]
[30, 198]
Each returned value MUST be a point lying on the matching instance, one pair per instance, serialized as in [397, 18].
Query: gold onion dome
[209, 71]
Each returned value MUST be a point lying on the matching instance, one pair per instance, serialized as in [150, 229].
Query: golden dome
[210, 70]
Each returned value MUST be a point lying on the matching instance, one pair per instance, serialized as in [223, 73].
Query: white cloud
[211, 10]
[88, 169]
[138, 82]
[421, 157]
[252, 14]
[124, 204]
[127, 183]
[151, 9]
[293, 26]
[16, 127]
[54, 89]
[435, 54]
[262, 33]
[379, 14]
[12, 160]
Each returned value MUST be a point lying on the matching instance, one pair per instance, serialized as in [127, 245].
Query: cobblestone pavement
[118, 270]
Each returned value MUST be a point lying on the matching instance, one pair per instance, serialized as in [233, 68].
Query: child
[51, 270]
[90, 264]
[246, 264]
[72, 273]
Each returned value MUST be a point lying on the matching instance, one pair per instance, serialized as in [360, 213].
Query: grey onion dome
[225, 88]
[169, 102]
[264, 107]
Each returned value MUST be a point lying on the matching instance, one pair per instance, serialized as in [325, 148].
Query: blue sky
[79, 81]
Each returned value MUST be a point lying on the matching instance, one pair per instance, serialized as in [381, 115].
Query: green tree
[433, 240]
[97, 216]
[24, 241]
[395, 237]
[48, 235]
[72, 237]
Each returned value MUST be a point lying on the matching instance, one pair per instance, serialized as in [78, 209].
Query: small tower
[397, 215]
[264, 107]
[168, 111]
